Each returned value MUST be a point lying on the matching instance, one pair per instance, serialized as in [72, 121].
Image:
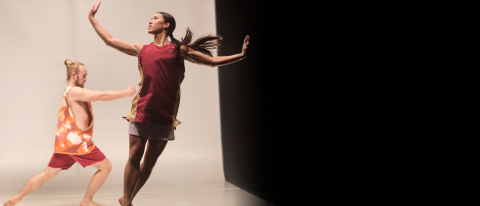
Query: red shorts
[65, 161]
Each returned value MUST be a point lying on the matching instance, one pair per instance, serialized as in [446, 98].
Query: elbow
[108, 41]
[209, 64]
[103, 97]
[99, 97]
[213, 64]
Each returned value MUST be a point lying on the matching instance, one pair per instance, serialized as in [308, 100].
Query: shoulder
[138, 46]
[141, 47]
[76, 92]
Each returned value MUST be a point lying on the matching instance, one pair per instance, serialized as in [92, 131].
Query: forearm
[111, 95]
[106, 37]
[224, 60]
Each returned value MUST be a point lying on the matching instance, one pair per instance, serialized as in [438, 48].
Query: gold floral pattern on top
[68, 138]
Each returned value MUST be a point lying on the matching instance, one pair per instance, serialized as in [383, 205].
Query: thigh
[52, 172]
[137, 146]
[102, 165]
[154, 149]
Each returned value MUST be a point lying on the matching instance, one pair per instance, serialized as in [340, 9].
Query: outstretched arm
[127, 48]
[199, 58]
[85, 95]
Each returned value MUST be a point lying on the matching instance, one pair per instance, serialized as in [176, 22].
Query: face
[81, 78]
[157, 24]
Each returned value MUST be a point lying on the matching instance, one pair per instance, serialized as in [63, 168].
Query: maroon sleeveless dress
[161, 72]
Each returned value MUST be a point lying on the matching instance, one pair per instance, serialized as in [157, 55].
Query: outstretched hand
[94, 10]
[245, 45]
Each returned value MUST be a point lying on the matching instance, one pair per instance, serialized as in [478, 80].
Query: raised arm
[127, 48]
[85, 95]
[199, 58]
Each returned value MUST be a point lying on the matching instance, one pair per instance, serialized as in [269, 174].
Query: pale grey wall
[35, 39]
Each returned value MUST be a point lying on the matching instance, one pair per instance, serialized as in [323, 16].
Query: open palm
[94, 9]
[245, 45]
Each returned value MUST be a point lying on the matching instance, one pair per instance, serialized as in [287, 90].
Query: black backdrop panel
[250, 96]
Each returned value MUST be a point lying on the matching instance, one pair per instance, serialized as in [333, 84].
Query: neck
[70, 84]
[161, 39]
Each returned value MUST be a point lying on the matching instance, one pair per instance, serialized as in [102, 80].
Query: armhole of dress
[139, 57]
[73, 115]
[69, 106]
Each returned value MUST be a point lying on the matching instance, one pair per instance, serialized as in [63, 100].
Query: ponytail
[203, 44]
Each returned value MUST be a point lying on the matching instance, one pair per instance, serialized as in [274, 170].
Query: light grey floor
[185, 194]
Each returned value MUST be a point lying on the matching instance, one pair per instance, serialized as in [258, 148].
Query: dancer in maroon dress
[152, 118]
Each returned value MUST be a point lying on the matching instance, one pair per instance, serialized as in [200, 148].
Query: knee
[135, 156]
[107, 167]
[45, 176]
[50, 173]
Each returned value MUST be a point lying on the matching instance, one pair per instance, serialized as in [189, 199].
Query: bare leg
[104, 168]
[154, 150]
[132, 169]
[33, 184]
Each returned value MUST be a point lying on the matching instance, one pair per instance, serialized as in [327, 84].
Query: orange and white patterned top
[69, 139]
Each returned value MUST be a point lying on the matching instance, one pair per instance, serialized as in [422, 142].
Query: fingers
[245, 45]
[247, 39]
[95, 8]
[92, 12]
[98, 5]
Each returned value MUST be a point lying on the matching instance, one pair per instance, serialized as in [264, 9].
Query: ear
[166, 25]
[74, 75]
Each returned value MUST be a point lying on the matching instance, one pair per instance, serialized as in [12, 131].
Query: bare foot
[11, 202]
[89, 203]
[8, 203]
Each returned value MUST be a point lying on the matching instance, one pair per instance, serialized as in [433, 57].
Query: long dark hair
[203, 44]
